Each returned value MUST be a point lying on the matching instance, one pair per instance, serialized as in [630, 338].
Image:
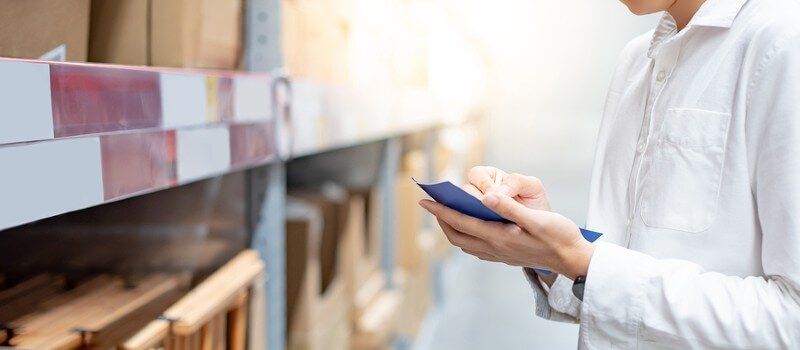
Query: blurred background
[276, 137]
[548, 65]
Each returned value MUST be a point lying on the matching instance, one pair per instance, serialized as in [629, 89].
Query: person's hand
[527, 190]
[536, 238]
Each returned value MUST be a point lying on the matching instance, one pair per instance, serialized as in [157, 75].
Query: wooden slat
[237, 325]
[105, 311]
[214, 295]
[150, 336]
[26, 296]
[207, 335]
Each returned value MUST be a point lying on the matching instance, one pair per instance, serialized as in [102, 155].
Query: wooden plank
[107, 313]
[237, 325]
[149, 337]
[257, 319]
[26, 296]
[219, 337]
[214, 295]
[157, 293]
[207, 337]
[47, 326]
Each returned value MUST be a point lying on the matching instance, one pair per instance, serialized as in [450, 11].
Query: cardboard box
[170, 33]
[317, 315]
[315, 39]
[196, 33]
[31, 28]
[410, 216]
[119, 32]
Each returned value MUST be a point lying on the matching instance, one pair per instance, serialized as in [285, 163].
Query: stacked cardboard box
[34, 28]
[375, 308]
[336, 291]
[171, 33]
[415, 249]
[318, 310]
[366, 43]
[315, 37]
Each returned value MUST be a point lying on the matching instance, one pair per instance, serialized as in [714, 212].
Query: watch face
[578, 286]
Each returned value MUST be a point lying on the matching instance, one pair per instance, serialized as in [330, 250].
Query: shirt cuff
[539, 295]
[562, 299]
[540, 299]
[614, 295]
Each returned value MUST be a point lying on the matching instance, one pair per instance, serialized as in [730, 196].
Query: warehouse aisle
[489, 306]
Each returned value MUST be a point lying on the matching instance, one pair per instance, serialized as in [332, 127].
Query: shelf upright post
[387, 180]
[262, 54]
[262, 35]
[269, 240]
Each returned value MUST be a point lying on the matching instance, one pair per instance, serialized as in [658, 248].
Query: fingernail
[504, 189]
[423, 203]
[491, 199]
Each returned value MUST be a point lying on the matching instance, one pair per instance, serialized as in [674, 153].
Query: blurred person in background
[695, 186]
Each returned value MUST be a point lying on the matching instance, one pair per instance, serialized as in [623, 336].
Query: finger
[461, 222]
[471, 189]
[483, 177]
[510, 209]
[520, 185]
[462, 240]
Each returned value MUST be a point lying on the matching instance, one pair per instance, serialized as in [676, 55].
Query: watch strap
[578, 287]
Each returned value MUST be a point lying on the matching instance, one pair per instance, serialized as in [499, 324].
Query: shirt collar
[713, 13]
[717, 13]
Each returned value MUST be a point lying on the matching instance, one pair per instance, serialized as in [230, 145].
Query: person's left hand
[536, 238]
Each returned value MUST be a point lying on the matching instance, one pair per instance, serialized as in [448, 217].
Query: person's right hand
[527, 190]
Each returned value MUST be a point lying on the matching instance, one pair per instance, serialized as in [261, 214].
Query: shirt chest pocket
[682, 187]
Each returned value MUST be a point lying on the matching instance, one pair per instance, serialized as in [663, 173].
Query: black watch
[578, 286]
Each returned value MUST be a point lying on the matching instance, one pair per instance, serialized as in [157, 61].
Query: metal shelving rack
[188, 125]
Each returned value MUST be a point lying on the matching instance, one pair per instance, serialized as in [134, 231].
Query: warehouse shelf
[326, 117]
[45, 100]
[81, 135]
[76, 135]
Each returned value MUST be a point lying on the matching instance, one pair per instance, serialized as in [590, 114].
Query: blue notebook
[459, 200]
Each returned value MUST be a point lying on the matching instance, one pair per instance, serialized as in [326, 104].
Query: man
[696, 187]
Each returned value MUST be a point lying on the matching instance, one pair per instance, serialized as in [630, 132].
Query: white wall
[549, 66]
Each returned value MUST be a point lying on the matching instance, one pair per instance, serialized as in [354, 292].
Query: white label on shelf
[59, 53]
[48, 178]
[183, 100]
[251, 98]
[202, 152]
[26, 113]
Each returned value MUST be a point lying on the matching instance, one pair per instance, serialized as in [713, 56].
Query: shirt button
[628, 223]
[640, 147]
[661, 76]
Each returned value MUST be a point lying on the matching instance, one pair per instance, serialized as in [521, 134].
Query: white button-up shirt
[696, 186]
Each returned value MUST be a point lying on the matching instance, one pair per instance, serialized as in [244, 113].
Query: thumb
[508, 208]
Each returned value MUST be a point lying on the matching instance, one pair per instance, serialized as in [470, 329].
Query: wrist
[576, 259]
